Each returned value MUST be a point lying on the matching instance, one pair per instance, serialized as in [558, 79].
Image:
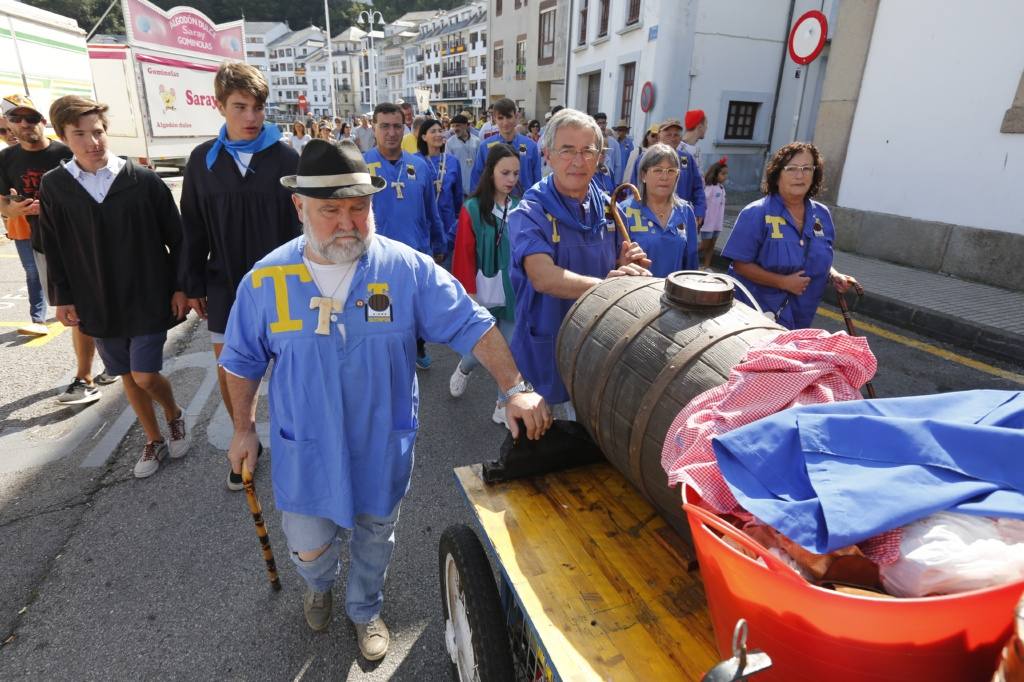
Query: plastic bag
[947, 553]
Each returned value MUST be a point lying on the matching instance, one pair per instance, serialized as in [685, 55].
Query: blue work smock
[578, 237]
[413, 219]
[689, 186]
[671, 247]
[448, 194]
[529, 161]
[343, 408]
[767, 235]
[832, 475]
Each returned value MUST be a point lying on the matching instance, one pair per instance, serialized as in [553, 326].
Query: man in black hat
[339, 310]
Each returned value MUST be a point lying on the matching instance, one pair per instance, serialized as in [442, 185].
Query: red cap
[693, 118]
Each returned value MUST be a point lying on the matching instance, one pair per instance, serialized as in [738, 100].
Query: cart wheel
[474, 624]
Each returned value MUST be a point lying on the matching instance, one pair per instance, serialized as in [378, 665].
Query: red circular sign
[303, 104]
[807, 39]
[647, 97]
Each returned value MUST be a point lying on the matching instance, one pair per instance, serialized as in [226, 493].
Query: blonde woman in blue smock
[781, 245]
[447, 176]
[662, 224]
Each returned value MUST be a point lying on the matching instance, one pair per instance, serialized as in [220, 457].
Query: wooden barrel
[633, 351]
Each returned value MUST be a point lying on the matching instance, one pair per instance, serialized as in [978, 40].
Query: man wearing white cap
[22, 167]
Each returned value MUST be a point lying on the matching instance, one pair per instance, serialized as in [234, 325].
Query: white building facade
[451, 58]
[529, 42]
[288, 77]
[258, 35]
[922, 115]
[727, 57]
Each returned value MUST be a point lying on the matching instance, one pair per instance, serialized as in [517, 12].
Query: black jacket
[116, 261]
[230, 222]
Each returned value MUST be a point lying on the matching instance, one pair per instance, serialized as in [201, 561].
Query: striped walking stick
[843, 308]
[261, 528]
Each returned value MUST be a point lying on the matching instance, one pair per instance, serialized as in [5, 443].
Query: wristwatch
[521, 387]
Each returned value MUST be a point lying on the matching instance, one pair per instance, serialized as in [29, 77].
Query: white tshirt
[299, 142]
[333, 278]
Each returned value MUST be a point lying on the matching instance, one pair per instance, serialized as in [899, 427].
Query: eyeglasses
[31, 119]
[589, 154]
[798, 170]
[663, 172]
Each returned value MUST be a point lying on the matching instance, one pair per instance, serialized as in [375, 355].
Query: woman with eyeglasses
[781, 244]
[482, 248]
[447, 176]
[662, 224]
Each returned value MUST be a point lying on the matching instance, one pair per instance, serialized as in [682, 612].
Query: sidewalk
[973, 316]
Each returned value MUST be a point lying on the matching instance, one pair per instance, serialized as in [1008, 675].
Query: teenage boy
[233, 209]
[112, 239]
[529, 157]
[21, 168]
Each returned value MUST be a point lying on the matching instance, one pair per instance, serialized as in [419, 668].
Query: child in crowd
[714, 191]
[482, 251]
[112, 238]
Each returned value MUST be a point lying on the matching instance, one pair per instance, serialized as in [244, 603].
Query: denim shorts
[126, 354]
[709, 234]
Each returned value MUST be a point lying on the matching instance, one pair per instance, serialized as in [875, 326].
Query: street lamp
[369, 18]
[330, 62]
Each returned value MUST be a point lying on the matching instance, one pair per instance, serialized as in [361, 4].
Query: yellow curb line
[55, 329]
[927, 348]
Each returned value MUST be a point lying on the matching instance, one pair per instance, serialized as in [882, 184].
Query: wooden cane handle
[613, 208]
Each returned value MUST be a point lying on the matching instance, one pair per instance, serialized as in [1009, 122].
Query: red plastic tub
[812, 633]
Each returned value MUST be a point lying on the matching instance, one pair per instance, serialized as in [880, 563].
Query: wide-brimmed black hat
[330, 170]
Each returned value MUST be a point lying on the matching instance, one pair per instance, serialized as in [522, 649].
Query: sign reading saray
[180, 97]
[182, 29]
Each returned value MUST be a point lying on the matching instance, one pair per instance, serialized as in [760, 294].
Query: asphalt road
[108, 577]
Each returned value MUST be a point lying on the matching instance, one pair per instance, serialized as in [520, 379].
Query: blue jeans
[36, 298]
[370, 547]
[469, 361]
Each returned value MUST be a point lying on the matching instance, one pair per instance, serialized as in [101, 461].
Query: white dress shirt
[96, 184]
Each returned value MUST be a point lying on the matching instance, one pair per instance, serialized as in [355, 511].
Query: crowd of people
[338, 253]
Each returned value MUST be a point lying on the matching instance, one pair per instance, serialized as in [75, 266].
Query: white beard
[336, 251]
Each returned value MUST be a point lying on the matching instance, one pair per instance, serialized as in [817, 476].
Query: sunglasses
[31, 119]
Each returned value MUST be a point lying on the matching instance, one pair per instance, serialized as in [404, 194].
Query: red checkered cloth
[800, 367]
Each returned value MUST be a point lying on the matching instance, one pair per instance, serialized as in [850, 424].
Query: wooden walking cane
[845, 310]
[613, 208]
[261, 528]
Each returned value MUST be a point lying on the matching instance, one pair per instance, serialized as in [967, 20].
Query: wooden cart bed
[598, 574]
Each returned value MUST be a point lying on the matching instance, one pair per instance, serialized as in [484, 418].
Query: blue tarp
[829, 476]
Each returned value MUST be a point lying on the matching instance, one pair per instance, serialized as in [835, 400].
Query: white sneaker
[499, 415]
[457, 384]
[33, 329]
[152, 454]
[374, 639]
[181, 438]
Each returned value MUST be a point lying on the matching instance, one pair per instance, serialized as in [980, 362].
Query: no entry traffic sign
[807, 39]
[647, 97]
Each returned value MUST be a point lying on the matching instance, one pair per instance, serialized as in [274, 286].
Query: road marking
[55, 329]
[928, 348]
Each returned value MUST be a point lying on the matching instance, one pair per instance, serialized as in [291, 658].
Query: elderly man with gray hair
[562, 244]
